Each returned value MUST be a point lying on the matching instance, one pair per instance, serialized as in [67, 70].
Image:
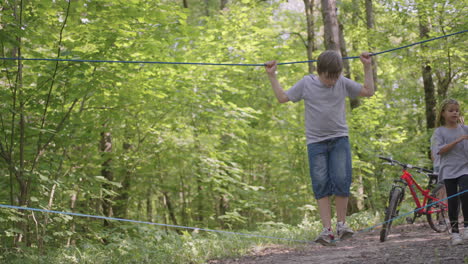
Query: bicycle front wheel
[437, 213]
[391, 212]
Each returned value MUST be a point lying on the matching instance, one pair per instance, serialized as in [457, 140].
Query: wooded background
[203, 145]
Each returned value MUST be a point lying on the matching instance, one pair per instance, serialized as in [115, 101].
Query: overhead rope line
[220, 64]
[205, 229]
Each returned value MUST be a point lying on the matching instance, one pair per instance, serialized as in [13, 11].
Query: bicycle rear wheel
[438, 220]
[395, 198]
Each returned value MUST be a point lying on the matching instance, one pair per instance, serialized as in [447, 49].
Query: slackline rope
[223, 64]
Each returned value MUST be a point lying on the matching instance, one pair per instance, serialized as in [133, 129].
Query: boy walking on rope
[327, 132]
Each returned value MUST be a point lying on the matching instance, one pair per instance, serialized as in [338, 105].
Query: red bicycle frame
[410, 182]
[431, 206]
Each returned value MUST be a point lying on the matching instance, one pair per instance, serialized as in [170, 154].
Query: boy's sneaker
[343, 231]
[456, 239]
[326, 238]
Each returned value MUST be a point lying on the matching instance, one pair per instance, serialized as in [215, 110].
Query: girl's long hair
[440, 121]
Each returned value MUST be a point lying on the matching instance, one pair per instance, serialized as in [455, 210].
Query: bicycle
[436, 214]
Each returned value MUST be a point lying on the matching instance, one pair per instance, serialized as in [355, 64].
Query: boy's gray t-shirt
[453, 163]
[325, 110]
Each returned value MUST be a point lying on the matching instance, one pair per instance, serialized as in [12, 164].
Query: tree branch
[44, 115]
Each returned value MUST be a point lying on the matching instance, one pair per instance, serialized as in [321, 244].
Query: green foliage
[203, 146]
[145, 244]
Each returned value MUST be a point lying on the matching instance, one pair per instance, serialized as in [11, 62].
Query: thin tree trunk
[370, 22]
[46, 219]
[354, 102]
[344, 52]
[200, 200]
[429, 96]
[445, 79]
[19, 91]
[429, 88]
[36, 224]
[149, 204]
[170, 208]
[17, 96]
[309, 10]
[183, 200]
[162, 200]
[223, 4]
[207, 8]
[106, 171]
[200, 197]
[40, 145]
[73, 199]
[223, 206]
[120, 207]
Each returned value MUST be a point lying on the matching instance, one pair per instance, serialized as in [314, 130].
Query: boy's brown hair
[330, 64]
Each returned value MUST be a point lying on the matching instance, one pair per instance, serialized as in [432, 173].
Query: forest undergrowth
[130, 243]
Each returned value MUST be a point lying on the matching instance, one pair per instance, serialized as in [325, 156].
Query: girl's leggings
[454, 186]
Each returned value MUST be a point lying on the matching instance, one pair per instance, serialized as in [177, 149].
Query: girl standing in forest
[451, 144]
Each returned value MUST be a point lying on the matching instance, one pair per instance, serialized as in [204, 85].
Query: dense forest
[105, 115]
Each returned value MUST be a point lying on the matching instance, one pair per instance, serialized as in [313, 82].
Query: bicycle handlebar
[405, 166]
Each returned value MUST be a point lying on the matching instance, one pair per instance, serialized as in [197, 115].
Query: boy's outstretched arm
[368, 88]
[270, 68]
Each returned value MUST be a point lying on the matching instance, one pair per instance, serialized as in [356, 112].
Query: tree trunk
[429, 96]
[18, 169]
[170, 208]
[223, 4]
[73, 199]
[120, 207]
[162, 200]
[223, 207]
[429, 89]
[200, 200]
[330, 25]
[344, 52]
[444, 79]
[106, 171]
[46, 218]
[309, 10]
[183, 200]
[207, 8]
[354, 102]
[370, 28]
[149, 204]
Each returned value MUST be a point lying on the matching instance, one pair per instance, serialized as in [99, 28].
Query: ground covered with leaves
[416, 243]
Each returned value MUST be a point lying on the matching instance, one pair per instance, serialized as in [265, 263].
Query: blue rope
[209, 230]
[224, 64]
[143, 222]
[420, 42]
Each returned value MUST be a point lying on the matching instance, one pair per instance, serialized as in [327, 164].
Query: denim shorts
[330, 167]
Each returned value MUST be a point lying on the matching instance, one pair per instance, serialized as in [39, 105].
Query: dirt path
[414, 244]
